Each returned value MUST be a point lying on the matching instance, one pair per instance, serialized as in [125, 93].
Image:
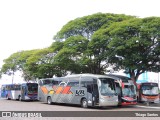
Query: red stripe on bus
[66, 90]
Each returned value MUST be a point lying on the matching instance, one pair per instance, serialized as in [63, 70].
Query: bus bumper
[31, 98]
[128, 103]
[108, 101]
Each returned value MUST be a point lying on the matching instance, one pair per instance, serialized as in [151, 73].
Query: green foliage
[69, 56]
[11, 64]
[95, 52]
[87, 25]
[136, 42]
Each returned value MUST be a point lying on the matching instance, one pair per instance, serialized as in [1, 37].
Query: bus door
[119, 92]
[23, 92]
[92, 93]
[95, 93]
[87, 87]
[89, 93]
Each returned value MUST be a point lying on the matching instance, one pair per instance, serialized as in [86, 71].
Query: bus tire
[49, 101]
[84, 103]
[19, 98]
[7, 97]
[138, 100]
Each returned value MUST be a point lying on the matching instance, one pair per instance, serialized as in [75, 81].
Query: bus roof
[123, 78]
[145, 83]
[55, 78]
[88, 75]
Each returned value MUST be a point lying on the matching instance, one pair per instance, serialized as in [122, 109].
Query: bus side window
[73, 84]
[40, 83]
[3, 88]
[89, 88]
[82, 84]
[24, 90]
[55, 82]
[88, 85]
[118, 89]
[47, 82]
[62, 84]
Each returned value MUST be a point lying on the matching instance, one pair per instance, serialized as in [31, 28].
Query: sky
[31, 24]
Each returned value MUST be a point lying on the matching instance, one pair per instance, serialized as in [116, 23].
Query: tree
[11, 65]
[135, 45]
[95, 51]
[16, 62]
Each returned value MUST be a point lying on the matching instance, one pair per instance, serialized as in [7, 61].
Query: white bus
[24, 91]
[81, 89]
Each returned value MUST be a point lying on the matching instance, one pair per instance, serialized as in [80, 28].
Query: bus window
[83, 84]
[89, 88]
[150, 90]
[3, 88]
[107, 86]
[17, 87]
[126, 90]
[32, 88]
[154, 90]
[133, 89]
[54, 82]
[23, 90]
[62, 84]
[118, 88]
[47, 82]
[73, 84]
[40, 83]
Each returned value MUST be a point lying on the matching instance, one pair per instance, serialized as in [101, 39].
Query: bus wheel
[84, 103]
[49, 100]
[7, 97]
[19, 98]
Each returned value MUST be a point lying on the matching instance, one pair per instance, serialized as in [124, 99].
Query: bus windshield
[107, 86]
[129, 90]
[32, 88]
[150, 90]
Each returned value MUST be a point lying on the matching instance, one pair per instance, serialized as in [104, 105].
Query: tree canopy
[135, 45]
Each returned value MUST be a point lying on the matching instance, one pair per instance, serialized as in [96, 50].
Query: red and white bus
[126, 90]
[148, 92]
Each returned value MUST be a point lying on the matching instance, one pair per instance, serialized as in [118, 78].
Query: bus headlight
[156, 100]
[144, 99]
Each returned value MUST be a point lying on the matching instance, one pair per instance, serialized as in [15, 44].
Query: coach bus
[81, 89]
[148, 92]
[126, 91]
[24, 91]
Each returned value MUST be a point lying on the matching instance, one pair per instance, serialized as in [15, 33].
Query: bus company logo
[80, 93]
[6, 114]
